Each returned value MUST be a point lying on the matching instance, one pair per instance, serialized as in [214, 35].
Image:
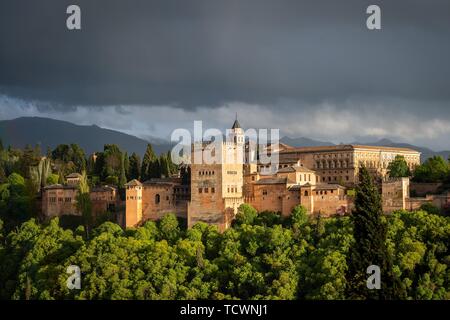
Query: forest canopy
[260, 257]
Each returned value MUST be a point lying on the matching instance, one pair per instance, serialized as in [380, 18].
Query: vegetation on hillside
[260, 257]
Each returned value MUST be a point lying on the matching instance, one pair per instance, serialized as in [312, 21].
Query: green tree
[40, 173]
[52, 179]
[398, 168]
[246, 214]
[369, 247]
[430, 208]
[299, 215]
[169, 228]
[434, 169]
[84, 204]
[149, 164]
[126, 165]
[122, 177]
[164, 168]
[173, 168]
[28, 159]
[135, 167]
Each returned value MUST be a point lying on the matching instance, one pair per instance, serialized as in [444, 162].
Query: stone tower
[217, 188]
[133, 211]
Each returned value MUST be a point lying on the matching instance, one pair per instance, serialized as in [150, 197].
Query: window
[213, 190]
[264, 192]
[200, 190]
[157, 199]
[206, 190]
[306, 193]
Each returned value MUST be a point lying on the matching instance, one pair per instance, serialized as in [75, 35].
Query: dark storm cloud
[203, 53]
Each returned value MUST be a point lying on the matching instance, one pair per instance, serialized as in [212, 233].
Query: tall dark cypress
[135, 167]
[148, 163]
[369, 247]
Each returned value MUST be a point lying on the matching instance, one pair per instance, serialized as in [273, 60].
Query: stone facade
[155, 198]
[339, 164]
[217, 185]
[315, 177]
[394, 194]
[295, 185]
[59, 200]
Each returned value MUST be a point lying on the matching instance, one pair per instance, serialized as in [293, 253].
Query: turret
[133, 211]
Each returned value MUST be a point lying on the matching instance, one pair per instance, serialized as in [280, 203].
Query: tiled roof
[59, 186]
[73, 175]
[295, 169]
[103, 188]
[133, 183]
[346, 147]
[236, 125]
[272, 181]
[328, 186]
[162, 181]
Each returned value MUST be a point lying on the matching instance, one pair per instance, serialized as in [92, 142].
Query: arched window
[157, 199]
[306, 193]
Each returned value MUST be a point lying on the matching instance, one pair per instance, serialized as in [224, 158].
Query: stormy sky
[309, 68]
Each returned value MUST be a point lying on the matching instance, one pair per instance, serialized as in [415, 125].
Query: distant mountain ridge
[49, 133]
[304, 142]
[426, 152]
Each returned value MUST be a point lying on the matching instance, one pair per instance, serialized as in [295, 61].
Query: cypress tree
[369, 247]
[122, 178]
[172, 166]
[135, 167]
[127, 166]
[148, 163]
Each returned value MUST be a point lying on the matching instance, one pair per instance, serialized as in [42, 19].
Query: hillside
[49, 133]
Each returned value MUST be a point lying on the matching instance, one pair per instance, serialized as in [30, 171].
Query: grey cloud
[205, 53]
[336, 121]
[308, 67]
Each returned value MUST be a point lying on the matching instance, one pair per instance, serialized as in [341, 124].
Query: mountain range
[48, 133]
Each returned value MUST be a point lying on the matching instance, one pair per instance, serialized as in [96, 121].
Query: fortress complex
[318, 178]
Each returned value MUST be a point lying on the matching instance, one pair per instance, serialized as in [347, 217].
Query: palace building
[319, 178]
[60, 199]
[315, 177]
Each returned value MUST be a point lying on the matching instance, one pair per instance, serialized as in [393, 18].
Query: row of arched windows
[331, 164]
[206, 173]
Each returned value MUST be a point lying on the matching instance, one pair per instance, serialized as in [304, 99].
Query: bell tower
[237, 133]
